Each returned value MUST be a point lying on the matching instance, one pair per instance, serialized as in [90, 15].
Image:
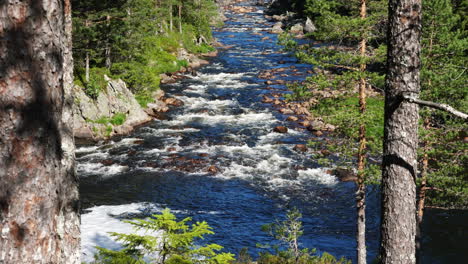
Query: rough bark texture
[39, 204]
[398, 226]
[361, 192]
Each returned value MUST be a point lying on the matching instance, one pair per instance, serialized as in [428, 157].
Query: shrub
[175, 245]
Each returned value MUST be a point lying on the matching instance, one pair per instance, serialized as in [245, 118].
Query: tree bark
[170, 18]
[180, 18]
[108, 46]
[398, 225]
[361, 192]
[87, 57]
[39, 206]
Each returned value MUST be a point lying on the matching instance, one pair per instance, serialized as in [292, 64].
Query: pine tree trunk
[361, 192]
[108, 46]
[422, 195]
[170, 19]
[87, 57]
[180, 18]
[87, 67]
[39, 206]
[398, 225]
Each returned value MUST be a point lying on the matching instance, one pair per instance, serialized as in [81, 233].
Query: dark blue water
[224, 124]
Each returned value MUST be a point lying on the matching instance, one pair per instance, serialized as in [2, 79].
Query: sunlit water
[223, 123]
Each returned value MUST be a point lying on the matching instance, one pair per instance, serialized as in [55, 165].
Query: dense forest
[137, 40]
[374, 90]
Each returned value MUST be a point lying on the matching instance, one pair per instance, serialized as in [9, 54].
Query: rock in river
[281, 129]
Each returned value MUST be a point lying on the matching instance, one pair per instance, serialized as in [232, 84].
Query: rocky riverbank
[116, 112]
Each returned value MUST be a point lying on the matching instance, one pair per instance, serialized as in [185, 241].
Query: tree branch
[443, 107]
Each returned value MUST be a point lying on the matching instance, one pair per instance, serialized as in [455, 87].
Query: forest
[233, 131]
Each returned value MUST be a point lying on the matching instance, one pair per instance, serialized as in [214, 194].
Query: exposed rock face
[115, 99]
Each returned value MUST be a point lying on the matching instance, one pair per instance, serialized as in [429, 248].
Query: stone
[107, 162]
[304, 123]
[330, 127]
[286, 111]
[345, 175]
[156, 107]
[318, 133]
[115, 98]
[213, 169]
[280, 129]
[267, 99]
[300, 148]
[309, 26]
[315, 126]
[158, 94]
[292, 118]
[278, 17]
[297, 29]
[277, 28]
[174, 102]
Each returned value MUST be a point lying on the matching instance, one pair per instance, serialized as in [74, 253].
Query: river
[224, 124]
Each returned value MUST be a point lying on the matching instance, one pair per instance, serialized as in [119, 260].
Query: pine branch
[443, 107]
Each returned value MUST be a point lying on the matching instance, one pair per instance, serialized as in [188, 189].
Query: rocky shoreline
[116, 112]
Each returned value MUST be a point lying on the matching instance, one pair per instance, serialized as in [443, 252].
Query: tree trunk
[108, 46]
[422, 194]
[361, 192]
[87, 67]
[180, 18]
[171, 24]
[39, 206]
[398, 225]
[87, 57]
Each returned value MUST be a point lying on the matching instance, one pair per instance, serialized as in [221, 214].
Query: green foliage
[138, 76]
[174, 245]
[299, 92]
[134, 40]
[118, 119]
[286, 234]
[96, 83]
[443, 80]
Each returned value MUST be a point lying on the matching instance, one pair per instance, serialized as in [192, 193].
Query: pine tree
[399, 167]
[39, 206]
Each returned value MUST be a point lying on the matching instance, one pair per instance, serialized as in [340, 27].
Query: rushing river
[225, 126]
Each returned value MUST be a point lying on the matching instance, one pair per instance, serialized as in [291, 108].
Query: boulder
[292, 118]
[277, 28]
[309, 26]
[297, 29]
[286, 111]
[115, 98]
[300, 148]
[345, 175]
[280, 129]
[315, 126]
[267, 99]
[278, 17]
[156, 107]
[174, 102]
[213, 169]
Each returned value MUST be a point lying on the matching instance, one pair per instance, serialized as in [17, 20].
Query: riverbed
[218, 159]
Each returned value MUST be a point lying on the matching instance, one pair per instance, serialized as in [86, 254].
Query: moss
[118, 119]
